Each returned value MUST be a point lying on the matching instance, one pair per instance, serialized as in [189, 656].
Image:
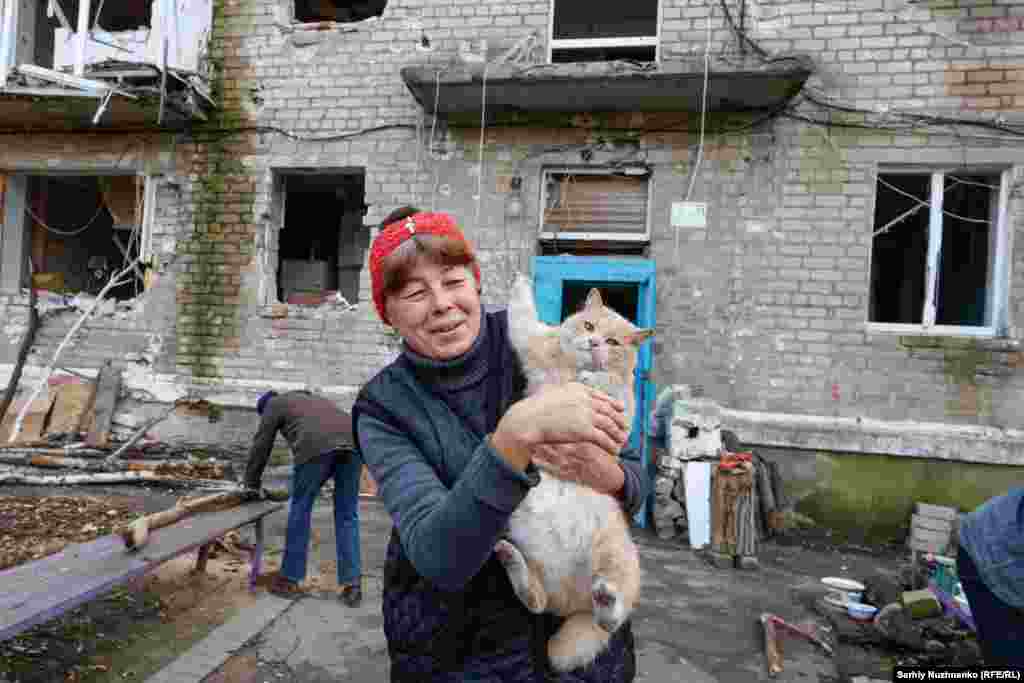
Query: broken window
[337, 10]
[106, 15]
[587, 31]
[74, 232]
[595, 204]
[45, 33]
[323, 241]
[938, 250]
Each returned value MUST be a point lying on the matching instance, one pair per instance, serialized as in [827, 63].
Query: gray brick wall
[765, 308]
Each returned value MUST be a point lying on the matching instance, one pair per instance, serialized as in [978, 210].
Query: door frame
[550, 273]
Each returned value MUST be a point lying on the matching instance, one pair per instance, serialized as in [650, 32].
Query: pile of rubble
[67, 435]
[910, 627]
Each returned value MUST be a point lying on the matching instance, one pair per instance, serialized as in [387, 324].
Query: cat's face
[600, 339]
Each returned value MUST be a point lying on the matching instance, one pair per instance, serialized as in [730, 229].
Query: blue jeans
[1000, 626]
[307, 480]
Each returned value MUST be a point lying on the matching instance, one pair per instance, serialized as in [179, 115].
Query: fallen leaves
[32, 527]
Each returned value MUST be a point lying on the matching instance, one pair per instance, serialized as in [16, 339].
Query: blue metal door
[552, 275]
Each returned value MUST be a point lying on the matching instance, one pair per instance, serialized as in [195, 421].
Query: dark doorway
[323, 239]
[622, 298]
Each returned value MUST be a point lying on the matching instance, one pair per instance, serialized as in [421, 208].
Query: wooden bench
[40, 590]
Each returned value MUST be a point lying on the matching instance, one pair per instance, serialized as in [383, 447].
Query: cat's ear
[593, 300]
[640, 336]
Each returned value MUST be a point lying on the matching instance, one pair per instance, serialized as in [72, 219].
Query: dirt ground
[139, 627]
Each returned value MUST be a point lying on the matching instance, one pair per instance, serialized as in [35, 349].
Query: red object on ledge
[730, 461]
[309, 298]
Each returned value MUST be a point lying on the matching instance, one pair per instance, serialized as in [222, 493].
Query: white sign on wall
[689, 214]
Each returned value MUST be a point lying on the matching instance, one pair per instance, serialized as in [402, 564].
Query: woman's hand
[563, 414]
[584, 463]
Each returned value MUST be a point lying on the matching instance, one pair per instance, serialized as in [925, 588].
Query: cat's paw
[519, 576]
[508, 554]
[609, 605]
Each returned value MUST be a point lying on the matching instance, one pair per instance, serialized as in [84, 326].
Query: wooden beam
[108, 387]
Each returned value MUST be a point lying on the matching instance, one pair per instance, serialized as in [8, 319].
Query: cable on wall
[480, 157]
[703, 115]
[430, 148]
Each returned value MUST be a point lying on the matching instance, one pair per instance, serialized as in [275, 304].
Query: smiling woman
[429, 285]
[448, 436]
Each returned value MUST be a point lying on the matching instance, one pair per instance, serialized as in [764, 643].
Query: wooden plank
[108, 388]
[35, 419]
[72, 401]
[88, 415]
[38, 591]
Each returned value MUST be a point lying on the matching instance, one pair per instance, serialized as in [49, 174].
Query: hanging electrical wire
[703, 110]
[430, 148]
[480, 159]
[928, 204]
[66, 233]
[220, 133]
[912, 119]
[909, 212]
[703, 115]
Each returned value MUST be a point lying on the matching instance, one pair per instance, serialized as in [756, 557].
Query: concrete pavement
[694, 622]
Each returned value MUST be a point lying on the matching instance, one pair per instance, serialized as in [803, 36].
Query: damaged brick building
[815, 203]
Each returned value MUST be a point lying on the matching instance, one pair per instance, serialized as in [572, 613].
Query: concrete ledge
[205, 656]
[939, 440]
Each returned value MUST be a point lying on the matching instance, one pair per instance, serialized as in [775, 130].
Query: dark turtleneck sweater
[458, 381]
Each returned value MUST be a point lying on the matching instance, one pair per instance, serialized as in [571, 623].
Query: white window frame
[591, 236]
[583, 43]
[8, 38]
[998, 279]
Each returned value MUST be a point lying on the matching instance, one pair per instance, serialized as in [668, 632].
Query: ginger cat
[568, 549]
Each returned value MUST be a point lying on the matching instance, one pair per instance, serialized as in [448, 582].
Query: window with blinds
[595, 205]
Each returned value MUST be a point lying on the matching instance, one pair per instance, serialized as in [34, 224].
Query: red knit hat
[394, 234]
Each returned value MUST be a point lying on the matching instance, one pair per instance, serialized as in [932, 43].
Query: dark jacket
[449, 609]
[993, 535]
[312, 425]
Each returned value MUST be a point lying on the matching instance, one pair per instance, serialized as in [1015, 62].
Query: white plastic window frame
[8, 38]
[643, 237]
[998, 279]
[583, 43]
